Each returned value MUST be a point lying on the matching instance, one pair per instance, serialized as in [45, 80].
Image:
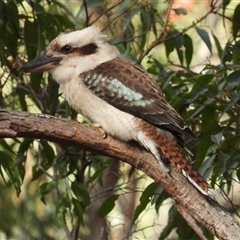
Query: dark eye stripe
[87, 49]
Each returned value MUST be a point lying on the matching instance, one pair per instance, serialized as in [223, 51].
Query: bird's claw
[98, 126]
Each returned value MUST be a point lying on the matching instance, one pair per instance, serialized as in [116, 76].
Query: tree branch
[21, 124]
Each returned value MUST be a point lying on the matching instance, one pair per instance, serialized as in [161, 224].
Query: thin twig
[75, 230]
[104, 12]
[122, 13]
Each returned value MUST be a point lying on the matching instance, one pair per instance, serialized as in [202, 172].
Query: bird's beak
[41, 64]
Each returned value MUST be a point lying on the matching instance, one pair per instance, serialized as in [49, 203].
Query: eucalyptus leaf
[107, 206]
[145, 199]
[205, 37]
[180, 11]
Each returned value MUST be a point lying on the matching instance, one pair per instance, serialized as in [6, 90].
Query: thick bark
[189, 201]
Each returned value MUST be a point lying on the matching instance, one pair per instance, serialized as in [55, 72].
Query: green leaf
[202, 148]
[201, 85]
[188, 49]
[5, 145]
[31, 38]
[210, 120]
[7, 163]
[221, 85]
[36, 7]
[159, 197]
[236, 21]
[204, 36]
[94, 3]
[232, 163]
[216, 138]
[222, 161]
[47, 150]
[169, 47]
[224, 5]
[45, 188]
[206, 165]
[238, 174]
[233, 79]
[172, 223]
[53, 93]
[219, 48]
[63, 204]
[145, 198]
[63, 22]
[100, 164]
[201, 107]
[178, 41]
[97, 173]
[78, 210]
[107, 206]
[197, 93]
[162, 71]
[128, 18]
[11, 31]
[21, 93]
[80, 191]
[228, 55]
[234, 100]
[145, 26]
[236, 52]
[180, 11]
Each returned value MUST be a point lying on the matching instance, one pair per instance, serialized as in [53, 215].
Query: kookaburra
[118, 95]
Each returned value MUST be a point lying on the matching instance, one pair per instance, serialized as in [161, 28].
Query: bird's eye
[66, 49]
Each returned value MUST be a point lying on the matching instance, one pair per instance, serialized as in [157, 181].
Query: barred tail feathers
[166, 147]
[167, 144]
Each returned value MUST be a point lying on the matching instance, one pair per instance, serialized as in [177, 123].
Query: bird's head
[73, 52]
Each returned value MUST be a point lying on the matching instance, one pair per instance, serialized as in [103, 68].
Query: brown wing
[129, 88]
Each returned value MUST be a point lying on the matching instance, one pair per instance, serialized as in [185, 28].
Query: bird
[118, 95]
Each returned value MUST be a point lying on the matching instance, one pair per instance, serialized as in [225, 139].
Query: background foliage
[192, 50]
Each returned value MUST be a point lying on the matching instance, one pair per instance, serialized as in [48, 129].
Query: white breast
[114, 121]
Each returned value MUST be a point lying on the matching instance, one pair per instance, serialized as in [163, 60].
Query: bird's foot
[98, 126]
